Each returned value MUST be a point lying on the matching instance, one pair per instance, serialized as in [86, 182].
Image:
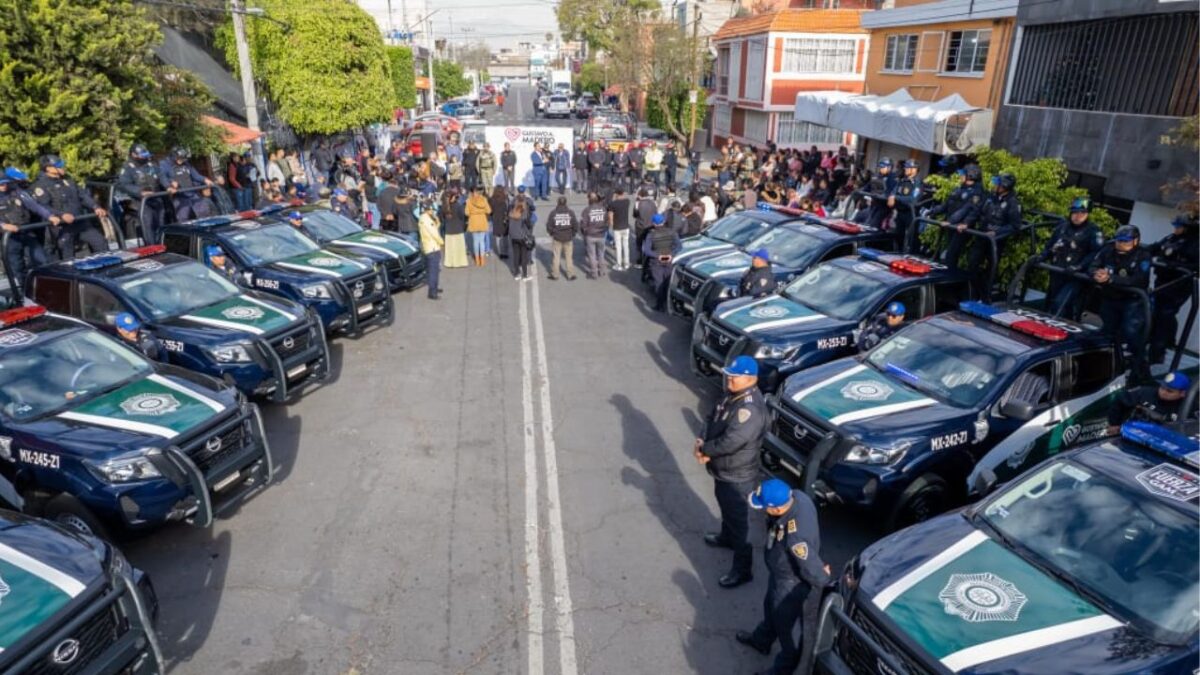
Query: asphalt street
[500, 482]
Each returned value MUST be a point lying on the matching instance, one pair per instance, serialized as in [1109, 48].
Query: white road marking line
[564, 617]
[533, 560]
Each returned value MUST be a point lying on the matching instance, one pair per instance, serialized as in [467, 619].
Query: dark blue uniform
[660, 242]
[1001, 216]
[1181, 252]
[1143, 403]
[1123, 314]
[18, 208]
[877, 331]
[1071, 247]
[880, 187]
[733, 434]
[962, 206]
[907, 194]
[757, 282]
[62, 196]
[796, 569]
[136, 180]
[184, 176]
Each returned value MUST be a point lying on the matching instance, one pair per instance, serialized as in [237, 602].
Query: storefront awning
[233, 134]
[945, 127]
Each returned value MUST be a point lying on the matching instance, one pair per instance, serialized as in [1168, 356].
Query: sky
[501, 23]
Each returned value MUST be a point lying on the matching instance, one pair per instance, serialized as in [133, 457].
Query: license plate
[226, 482]
[365, 307]
[297, 371]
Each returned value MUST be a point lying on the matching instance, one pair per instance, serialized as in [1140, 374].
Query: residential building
[764, 60]
[1102, 84]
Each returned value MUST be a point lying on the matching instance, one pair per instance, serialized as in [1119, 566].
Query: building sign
[522, 139]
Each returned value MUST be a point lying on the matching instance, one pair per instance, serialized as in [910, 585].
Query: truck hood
[241, 313]
[700, 246]
[726, 267]
[775, 318]
[322, 262]
[156, 406]
[383, 246]
[977, 607]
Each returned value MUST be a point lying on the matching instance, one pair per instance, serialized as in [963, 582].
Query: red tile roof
[793, 21]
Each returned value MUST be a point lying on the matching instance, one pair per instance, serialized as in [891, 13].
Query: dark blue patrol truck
[399, 255]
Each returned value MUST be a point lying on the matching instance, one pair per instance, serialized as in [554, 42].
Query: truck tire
[69, 511]
[924, 498]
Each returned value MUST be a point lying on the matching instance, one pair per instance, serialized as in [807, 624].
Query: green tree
[326, 71]
[73, 80]
[591, 78]
[182, 99]
[404, 77]
[1040, 190]
[599, 22]
[449, 80]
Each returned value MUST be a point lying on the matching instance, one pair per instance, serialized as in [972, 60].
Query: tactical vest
[662, 241]
[144, 176]
[11, 208]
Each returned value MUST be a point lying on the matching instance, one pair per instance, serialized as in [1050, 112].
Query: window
[53, 294]
[722, 118]
[948, 294]
[756, 126]
[900, 54]
[967, 51]
[723, 71]
[178, 243]
[735, 69]
[95, 303]
[818, 55]
[913, 300]
[790, 132]
[1091, 371]
[1035, 386]
[756, 66]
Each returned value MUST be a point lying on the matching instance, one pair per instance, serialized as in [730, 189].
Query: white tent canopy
[947, 126]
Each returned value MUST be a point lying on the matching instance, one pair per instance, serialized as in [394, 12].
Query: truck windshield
[836, 291]
[788, 247]
[64, 372]
[327, 225]
[178, 289]
[941, 364]
[1135, 553]
[736, 229]
[265, 245]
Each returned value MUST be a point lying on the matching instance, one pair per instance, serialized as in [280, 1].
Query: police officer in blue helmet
[215, 256]
[660, 247]
[1173, 283]
[882, 325]
[729, 449]
[137, 182]
[759, 280]
[1160, 403]
[796, 576]
[1071, 246]
[129, 329]
[1121, 268]
[18, 208]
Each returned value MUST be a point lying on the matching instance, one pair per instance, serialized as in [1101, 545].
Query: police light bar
[97, 262]
[767, 206]
[269, 209]
[146, 251]
[1017, 322]
[896, 263]
[843, 226]
[252, 213]
[13, 317]
[1163, 441]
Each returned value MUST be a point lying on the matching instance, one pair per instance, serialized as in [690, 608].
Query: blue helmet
[295, 215]
[1185, 221]
[885, 162]
[139, 151]
[742, 365]
[127, 321]
[895, 308]
[1081, 205]
[1176, 380]
[773, 493]
[212, 250]
[658, 219]
[13, 174]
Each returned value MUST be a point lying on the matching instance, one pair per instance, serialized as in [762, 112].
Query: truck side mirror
[1021, 411]
[110, 318]
[984, 481]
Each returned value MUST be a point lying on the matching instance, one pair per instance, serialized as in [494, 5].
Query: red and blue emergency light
[13, 317]
[896, 263]
[1017, 322]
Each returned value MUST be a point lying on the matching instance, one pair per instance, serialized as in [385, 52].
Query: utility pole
[429, 53]
[237, 13]
[694, 95]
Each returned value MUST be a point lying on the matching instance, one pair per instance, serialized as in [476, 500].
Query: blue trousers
[541, 183]
[433, 263]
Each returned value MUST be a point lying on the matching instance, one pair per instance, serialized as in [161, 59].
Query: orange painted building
[763, 61]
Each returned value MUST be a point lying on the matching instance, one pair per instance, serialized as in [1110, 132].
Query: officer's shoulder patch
[762, 282]
[39, 191]
[975, 199]
[791, 525]
[743, 415]
[800, 550]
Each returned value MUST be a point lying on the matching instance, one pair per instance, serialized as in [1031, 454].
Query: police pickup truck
[795, 244]
[1086, 563]
[818, 316]
[264, 345]
[72, 604]
[399, 256]
[94, 435]
[734, 231]
[347, 292]
[899, 429]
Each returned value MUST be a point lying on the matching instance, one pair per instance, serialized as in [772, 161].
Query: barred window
[901, 53]
[792, 132]
[818, 55]
[723, 71]
[722, 115]
[968, 51]
[756, 126]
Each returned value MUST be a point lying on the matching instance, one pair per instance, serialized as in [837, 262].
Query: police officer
[342, 205]
[66, 200]
[906, 193]
[598, 161]
[670, 164]
[17, 208]
[729, 448]
[759, 280]
[579, 166]
[882, 326]
[1071, 246]
[295, 219]
[644, 211]
[963, 205]
[999, 218]
[621, 167]
[660, 247]
[1161, 404]
[129, 329]
[796, 575]
[139, 180]
[881, 187]
[1123, 264]
[215, 256]
[175, 174]
[637, 164]
[1180, 251]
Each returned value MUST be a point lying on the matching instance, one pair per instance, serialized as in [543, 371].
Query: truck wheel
[67, 510]
[925, 498]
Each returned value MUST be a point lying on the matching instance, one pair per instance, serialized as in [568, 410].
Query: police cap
[126, 321]
[742, 365]
[1127, 233]
[885, 162]
[772, 493]
[1185, 221]
[1081, 205]
[895, 308]
[50, 160]
[1176, 380]
[973, 172]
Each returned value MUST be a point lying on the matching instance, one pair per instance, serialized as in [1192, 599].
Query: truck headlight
[725, 292]
[127, 469]
[317, 291]
[865, 454]
[230, 353]
[783, 353]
